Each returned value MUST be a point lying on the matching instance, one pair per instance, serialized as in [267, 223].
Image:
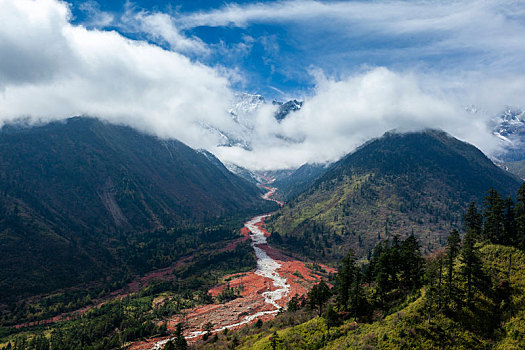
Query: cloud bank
[342, 114]
[51, 69]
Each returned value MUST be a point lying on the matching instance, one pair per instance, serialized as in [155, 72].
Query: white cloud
[94, 16]
[158, 25]
[51, 69]
[342, 114]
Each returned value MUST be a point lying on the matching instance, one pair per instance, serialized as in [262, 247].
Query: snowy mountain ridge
[509, 127]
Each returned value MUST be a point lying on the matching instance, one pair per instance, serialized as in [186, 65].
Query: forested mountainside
[82, 200]
[292, 184]
[468, 295]
[418, 183]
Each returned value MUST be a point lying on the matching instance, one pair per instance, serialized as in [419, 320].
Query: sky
[174, 69]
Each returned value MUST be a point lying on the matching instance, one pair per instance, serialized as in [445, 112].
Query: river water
[266, 267]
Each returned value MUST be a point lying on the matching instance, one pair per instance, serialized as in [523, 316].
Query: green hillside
[470, 295]
[417, 183]
[82, 200]
[409, 328]
[292, 184]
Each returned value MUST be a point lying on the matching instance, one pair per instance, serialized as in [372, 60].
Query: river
[267, 267]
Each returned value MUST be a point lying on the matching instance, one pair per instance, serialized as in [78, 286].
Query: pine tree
[433, 293]
[471, 262]
[411, 263]
[452, 251]
[208, 327]
[519, 218]
[395, 260]
[509, 227]
[169, 345]
[474, 221]
[356, 295]
[331, 317]
[345, 279]
[381, 268]
[180, 342]
[274, 340]
[318, 296]
[493, 215]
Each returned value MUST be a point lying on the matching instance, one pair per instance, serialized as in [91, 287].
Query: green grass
[398, 184]
[408, 326]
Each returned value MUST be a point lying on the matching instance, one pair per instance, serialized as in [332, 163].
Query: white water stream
[266, 267]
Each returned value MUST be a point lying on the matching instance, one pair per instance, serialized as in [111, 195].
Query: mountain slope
[286, 108]
[290, 185]
[81, 199]
[409, 327]
[397, 184]
[509, 127]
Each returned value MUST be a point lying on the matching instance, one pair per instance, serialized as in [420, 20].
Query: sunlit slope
[417, 182]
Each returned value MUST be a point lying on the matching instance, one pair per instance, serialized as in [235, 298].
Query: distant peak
[286, 108]
[424, 131]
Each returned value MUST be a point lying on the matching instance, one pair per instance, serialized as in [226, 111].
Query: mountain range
[399, 184]
[242, 112]
[86, 207]
[82, 200]
[509, 126]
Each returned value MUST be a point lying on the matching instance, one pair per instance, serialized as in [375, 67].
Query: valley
[262, 293]
[355, 243]
[262, 175]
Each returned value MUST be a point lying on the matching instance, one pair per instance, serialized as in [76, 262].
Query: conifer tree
[453, 244]
[411, 263]
[331, 317]
[509, 227]
[274, 340]
[474, 221]
[493, 215]
[356, 294]
[519, 218]
[471, 262]
[169, 345]
[318, 296]
[180, 342]
[345, 280]
[433, 293]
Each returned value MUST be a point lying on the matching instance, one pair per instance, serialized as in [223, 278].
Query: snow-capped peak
[286, 108]
[246, 103]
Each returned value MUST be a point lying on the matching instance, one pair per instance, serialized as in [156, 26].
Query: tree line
[452, 281]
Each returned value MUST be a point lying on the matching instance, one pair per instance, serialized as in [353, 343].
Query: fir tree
[169, 345]
[493, 215]
[411, 263]
[318, 296]
[519, 218]
[471, 262]
[274, 340]
[331, 317]
[453, 244]
[474, 221]
[180, 342]
[345, 280]
[509, 227]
